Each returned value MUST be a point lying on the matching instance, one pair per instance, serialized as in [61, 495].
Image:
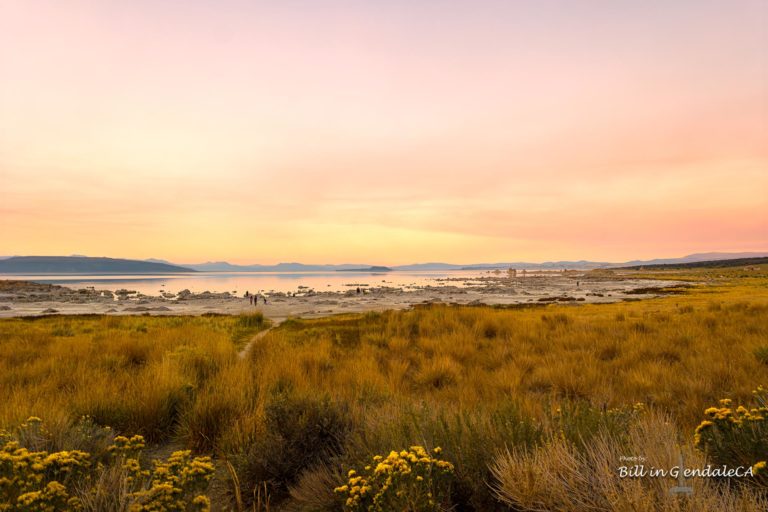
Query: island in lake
[369, 269]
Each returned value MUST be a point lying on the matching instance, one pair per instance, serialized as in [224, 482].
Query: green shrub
[578, 422]
[761, 354]
[251, 321]
[300, 432]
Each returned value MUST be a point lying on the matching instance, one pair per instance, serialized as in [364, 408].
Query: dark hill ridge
[738, 262]
[84, 265]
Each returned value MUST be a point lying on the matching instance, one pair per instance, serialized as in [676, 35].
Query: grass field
[531, 408]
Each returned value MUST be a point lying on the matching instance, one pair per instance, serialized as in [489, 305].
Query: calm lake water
[240, 282]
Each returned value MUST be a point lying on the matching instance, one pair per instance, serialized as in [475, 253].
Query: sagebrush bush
[298, 433]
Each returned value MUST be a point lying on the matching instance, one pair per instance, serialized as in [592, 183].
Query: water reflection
[240, 282]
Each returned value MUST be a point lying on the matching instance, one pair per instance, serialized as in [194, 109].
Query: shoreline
[27, 299]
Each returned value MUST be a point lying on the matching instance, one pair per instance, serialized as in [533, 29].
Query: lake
[254, 282]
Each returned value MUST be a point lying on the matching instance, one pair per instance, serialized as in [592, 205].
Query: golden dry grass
[136, 374]
[677, 354]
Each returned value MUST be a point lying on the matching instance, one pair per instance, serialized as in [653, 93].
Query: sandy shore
[22, 298]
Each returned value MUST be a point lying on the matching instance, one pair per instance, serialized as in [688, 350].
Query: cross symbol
[681, 488]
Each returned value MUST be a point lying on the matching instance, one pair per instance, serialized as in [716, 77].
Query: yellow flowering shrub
[737, 436]
[40, 481]
[175, 484]
[36, 480]
[412, 480]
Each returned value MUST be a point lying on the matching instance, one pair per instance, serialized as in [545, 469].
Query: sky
[383, 132]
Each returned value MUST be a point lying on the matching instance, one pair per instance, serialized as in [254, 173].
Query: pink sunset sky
[384, 132]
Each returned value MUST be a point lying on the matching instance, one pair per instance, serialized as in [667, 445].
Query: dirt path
[257, 337]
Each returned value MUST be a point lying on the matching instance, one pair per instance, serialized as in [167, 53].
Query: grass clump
[559, 475]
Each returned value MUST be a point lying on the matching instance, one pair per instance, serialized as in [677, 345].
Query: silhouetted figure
[358, 290]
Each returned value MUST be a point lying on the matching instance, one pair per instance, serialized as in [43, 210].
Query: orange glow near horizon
[383, 132]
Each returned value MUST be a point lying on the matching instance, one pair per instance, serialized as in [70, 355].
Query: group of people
[254, 298]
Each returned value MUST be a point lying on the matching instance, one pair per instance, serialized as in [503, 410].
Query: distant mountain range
[584, 264]
[85, 265]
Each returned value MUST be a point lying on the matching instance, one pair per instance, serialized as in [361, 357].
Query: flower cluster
[736, 436]
[172, 482]
[36, 480]
[127, 447]
[412, 480]
[727, 419]
[126, 452]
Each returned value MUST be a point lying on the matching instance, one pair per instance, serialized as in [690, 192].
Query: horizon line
[758, 253]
